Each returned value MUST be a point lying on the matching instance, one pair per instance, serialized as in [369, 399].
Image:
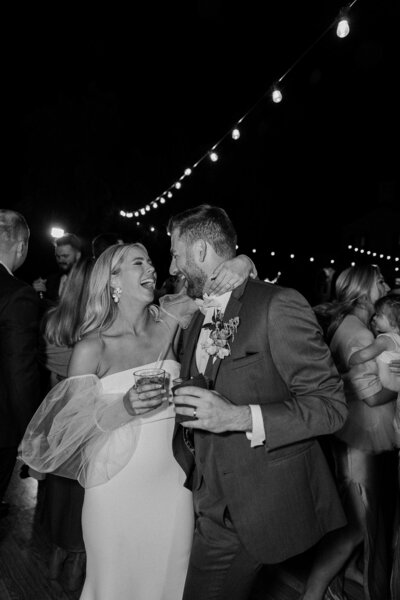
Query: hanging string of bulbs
[342, 24]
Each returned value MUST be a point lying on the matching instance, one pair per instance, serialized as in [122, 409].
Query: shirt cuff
[257, 434]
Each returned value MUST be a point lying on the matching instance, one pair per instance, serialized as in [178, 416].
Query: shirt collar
[211, 302]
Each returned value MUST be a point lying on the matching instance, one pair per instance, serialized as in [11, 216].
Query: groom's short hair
[209, 223]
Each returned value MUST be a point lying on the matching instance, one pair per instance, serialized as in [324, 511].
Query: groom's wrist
[241, 420]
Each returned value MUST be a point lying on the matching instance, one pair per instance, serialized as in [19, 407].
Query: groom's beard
[195, 279]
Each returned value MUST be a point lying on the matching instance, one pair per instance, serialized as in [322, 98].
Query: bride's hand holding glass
[141, 399]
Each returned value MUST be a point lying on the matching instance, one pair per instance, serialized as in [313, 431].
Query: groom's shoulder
[258, 287]
[257, 290]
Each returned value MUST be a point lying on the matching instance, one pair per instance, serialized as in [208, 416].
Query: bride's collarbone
[128, 350]
[153, 336]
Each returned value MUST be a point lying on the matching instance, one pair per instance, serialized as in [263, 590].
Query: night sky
[114, 105]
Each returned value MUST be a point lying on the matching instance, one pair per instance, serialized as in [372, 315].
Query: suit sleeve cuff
[257, 434]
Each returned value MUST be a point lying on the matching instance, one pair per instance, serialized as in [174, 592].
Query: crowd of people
[289, 445]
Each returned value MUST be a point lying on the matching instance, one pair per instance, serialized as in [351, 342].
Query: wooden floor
[25, 549]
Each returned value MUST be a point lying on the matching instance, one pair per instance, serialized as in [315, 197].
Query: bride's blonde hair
[101, 310]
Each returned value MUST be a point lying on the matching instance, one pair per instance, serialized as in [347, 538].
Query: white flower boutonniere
[221, 335]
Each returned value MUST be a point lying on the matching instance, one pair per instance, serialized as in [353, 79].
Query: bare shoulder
[86, 356]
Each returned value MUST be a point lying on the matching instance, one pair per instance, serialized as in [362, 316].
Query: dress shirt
[257, 434]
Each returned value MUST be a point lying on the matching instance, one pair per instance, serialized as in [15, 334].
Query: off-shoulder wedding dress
[137, 516]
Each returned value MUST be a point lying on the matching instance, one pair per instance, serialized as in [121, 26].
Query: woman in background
[63, 497]
[363, 449]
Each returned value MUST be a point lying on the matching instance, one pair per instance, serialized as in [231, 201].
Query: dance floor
[24, 552]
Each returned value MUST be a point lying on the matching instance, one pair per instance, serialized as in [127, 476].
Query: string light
[57, 232]
[342, 30]
[276, 95]
[343, 26]
[283, 256]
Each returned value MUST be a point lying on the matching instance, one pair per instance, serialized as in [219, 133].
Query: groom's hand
[213, 412]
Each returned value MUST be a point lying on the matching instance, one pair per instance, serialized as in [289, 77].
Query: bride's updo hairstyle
[101, 310]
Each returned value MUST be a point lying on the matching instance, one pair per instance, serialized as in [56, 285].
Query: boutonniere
[221, 335]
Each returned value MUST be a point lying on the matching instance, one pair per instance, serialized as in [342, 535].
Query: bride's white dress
[137, 517]
[138, 526]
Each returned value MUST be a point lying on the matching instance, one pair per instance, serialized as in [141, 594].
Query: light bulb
[214, 156]
[57, 232]
[188, 172]
[235, 134]
[343, 28]
[178, 185]
[276, 96]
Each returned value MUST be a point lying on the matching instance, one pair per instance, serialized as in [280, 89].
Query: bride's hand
[229, 275]
[138, 402]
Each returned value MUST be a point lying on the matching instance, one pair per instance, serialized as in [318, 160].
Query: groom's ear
[200, 249]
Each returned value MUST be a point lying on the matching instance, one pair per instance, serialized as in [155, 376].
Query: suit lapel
[232, 310]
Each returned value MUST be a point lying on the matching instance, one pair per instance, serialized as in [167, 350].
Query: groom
[262, 489]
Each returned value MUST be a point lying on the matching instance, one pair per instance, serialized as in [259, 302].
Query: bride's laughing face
[137, 276]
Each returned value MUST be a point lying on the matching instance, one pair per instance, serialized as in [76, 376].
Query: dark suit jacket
[52, 285]
[281, 495]
[19, 375]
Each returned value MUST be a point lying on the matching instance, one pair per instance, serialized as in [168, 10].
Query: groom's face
[184, 263]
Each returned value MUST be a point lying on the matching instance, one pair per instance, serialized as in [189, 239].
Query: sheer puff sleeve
[179, 308]
[80, 432]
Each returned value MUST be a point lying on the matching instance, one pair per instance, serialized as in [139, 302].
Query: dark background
[116, 103]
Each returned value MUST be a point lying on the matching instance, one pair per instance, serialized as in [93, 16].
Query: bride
[95, 426]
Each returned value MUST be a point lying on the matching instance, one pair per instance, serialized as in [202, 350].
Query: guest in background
[362, 449]
[385, 348]
[19, 326]
[67, 251]
[103, 241]
[63, 497]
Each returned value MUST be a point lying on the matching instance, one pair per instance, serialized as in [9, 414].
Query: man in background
[19, 323]
[67, 251]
